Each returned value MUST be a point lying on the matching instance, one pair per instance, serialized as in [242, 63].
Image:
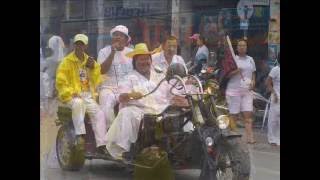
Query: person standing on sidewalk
[78, 76]
[238, 95]
[273, 85]
[56, 44]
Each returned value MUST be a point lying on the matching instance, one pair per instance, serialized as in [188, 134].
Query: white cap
[121, 28]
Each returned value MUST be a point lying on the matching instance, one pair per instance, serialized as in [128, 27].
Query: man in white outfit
[168, 56]
[124, 129]
[114, 66]
[164, 59]
[273, 84]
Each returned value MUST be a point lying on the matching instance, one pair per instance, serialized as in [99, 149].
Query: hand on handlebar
[180, 82]
[135, 95]
[126, 97]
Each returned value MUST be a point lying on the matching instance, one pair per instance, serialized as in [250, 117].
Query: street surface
[265, 160]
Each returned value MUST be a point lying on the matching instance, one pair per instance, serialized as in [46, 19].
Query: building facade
[150, 21]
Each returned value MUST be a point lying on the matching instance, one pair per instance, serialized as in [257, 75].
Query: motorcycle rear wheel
[70, 156]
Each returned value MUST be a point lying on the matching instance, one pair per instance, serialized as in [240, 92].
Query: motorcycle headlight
[223, 121]
[209, 141]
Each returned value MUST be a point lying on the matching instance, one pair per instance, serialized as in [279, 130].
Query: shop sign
[259, 2]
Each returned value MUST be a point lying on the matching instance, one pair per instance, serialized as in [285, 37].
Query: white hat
[120, 28]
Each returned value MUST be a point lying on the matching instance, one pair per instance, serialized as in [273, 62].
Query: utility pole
[175, 18]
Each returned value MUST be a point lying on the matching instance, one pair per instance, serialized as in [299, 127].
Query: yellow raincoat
[68, 79]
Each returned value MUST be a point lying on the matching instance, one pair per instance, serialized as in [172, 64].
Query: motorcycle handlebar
[158, 85]
[179, 79]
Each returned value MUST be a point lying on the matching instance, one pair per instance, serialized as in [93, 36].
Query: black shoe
[102, 150]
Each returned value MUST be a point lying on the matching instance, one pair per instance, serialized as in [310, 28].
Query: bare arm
[126, 97]
[269, 84]
[270, 88]
[232, 73]
[253, 80]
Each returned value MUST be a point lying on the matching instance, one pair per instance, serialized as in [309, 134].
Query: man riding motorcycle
[143, 79]
[168, 56]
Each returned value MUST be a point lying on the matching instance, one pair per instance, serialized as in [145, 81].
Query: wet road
[265, 161]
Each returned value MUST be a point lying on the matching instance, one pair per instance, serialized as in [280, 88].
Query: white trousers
[274, 122]
[108, 98]
[85, 104]
[124, 130]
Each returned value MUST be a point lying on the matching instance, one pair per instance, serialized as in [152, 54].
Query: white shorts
[237, 104]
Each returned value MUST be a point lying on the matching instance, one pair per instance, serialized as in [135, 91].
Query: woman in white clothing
[238, 95]
[273, 85]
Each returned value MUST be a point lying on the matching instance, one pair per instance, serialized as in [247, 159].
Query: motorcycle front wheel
[234, 160]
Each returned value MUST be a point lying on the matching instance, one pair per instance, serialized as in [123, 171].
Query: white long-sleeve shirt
[120, 67]
[160, 60]
[153, 103]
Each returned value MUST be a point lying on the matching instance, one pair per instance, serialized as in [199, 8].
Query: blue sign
[244, 24]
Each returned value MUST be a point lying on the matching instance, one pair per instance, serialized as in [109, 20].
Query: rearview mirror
[176, 69]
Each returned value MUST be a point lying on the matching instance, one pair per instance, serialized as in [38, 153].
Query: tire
[162, 169]
[236, 152]
[71, 157]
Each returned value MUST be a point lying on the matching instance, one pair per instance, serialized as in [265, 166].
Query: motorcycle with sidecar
[210, 146]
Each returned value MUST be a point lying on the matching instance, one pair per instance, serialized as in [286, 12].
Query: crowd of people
[120, 77]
